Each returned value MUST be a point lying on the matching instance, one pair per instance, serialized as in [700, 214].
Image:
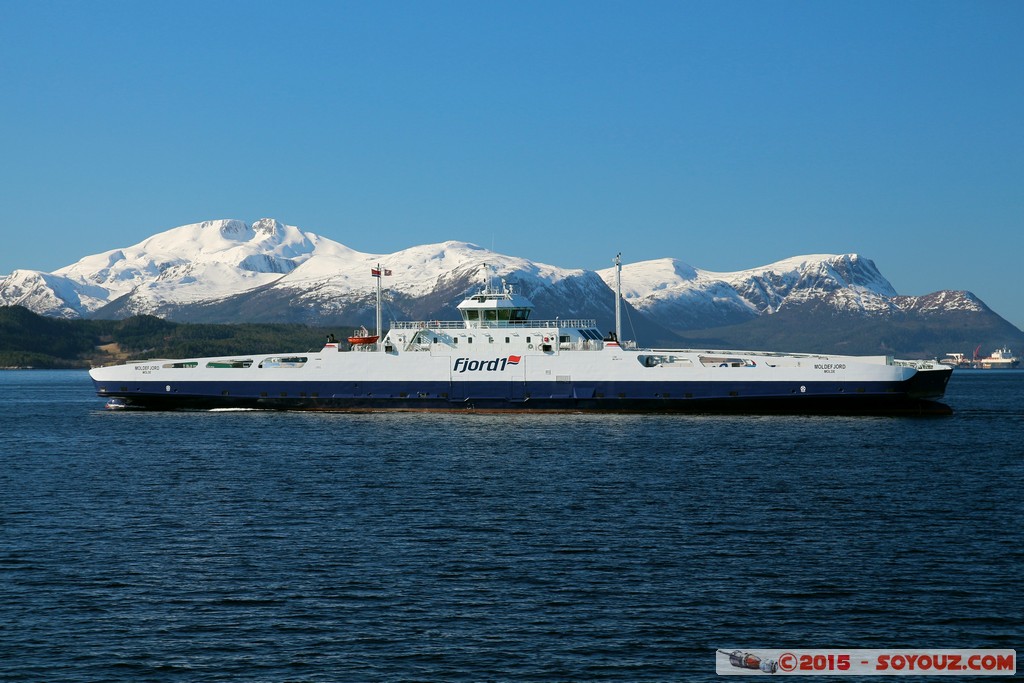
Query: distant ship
[1001, 359]
[498, 358]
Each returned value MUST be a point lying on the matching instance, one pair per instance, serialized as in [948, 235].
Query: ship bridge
[490, 307]
[498, 317]
[498, 308]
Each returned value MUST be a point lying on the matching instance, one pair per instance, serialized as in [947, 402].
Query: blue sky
[725, 134]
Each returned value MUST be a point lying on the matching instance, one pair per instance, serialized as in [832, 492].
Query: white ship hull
[610, 378]
[497, 358]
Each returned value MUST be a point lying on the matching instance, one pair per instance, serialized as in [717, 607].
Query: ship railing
[582, 345]
[491, 324]
[364, 348]
[919, 364]
[427, 325]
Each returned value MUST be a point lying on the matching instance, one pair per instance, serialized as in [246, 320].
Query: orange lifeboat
[363, 336]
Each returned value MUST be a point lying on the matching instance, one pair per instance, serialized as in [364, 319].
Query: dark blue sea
[262, 546]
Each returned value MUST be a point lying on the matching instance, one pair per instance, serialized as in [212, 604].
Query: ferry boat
[497, 357]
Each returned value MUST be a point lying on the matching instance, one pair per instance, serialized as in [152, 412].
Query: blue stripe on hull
[826, 397]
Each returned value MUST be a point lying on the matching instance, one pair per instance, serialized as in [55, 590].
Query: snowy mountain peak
[691, 298]
[267, 226]
[230, 230]
[41, 292]
[195, 262]
[229, 270]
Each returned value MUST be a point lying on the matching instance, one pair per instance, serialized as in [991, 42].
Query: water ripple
[266, 546]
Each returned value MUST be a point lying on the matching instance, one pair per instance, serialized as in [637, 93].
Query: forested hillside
[31, 340]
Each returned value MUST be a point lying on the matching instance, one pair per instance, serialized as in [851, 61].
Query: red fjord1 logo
[496, 365]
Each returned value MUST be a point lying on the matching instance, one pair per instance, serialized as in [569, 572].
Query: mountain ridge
[231, 271]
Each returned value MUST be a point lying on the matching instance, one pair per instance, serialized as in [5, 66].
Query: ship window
[665, 361]
[284, 362]
[472, 315]
[504, 314]
[189, 364]
[563, 338]
[469, 340]
[528, 341]
[726, 362]
[455, 340]
[490, 315]
[230, 363]
[507, 340]
[520, 313]
[435, 340]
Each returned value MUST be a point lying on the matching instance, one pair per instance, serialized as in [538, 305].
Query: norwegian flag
[514, 360]
[376, 272]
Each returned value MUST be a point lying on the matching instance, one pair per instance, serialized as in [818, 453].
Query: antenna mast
[379, 278]
[618, 297]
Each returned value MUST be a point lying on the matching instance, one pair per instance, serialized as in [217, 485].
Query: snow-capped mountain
[48, 293]
[230, 271]
[226, 270]
[191, 264]
[684, 297]
[426, 282]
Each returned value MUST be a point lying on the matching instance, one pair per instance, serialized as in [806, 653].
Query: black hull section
[811, 405]
[929, 384]
[910, 397]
